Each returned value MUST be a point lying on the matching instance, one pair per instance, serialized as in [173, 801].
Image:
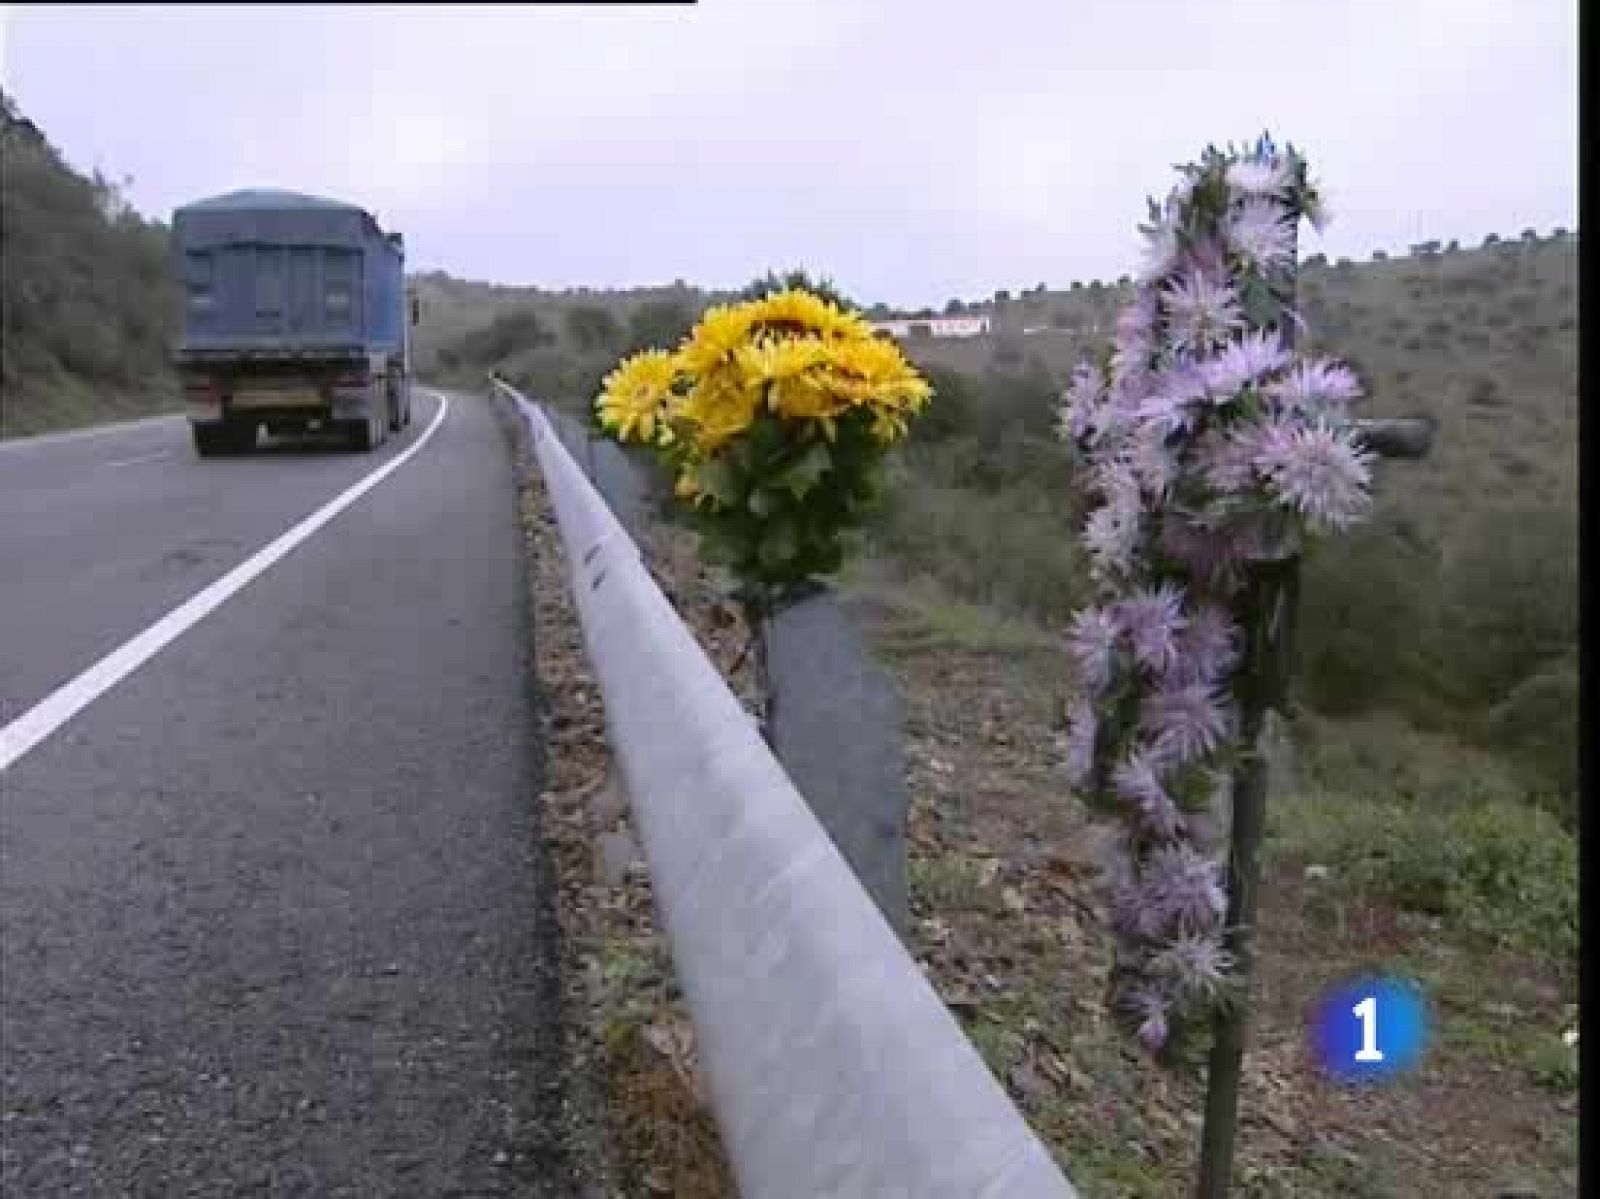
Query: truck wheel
[242, 438]
[209, 440]
[360, 436]
[396, 421]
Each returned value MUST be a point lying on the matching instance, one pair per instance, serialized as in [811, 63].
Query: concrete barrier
[832, 1066]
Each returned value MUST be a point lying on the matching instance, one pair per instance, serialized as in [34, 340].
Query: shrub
[1008, 350]
[1538, 723]
[658, 324]
[1508, 600]
[593, 329]
[1002, 548]
[1364, 605]
[954, 409]
[1499, 869]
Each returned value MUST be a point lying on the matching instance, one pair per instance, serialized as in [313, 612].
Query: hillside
[1455, 607]
[86, 293]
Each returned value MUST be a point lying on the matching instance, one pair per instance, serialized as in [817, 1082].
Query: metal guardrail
[833, 1067]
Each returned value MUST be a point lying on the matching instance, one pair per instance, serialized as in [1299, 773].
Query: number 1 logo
[1367, 1012]
[1370, 1029]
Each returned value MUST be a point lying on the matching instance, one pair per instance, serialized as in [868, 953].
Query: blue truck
[296, 318]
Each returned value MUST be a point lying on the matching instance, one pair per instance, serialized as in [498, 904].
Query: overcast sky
[913, 149]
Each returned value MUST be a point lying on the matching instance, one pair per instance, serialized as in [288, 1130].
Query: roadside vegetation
[1424, 801]
[87, 296]
[1423, 813]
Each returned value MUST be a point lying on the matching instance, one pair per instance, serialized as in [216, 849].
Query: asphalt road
[273, 917]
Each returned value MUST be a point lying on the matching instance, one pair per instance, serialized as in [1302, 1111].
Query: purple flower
[1160, 251]
[1259, 175]
[1201, 313]
[1186, 720]
[1110, 420]
[1135, 911]
[1243, 363]
[1172, 406]
[1204, 256]
[1262, 233]
[1194, 966]
[1093, 645]
[1082, 727]
[1185, 887]
[1082, 401]
[1150, 462]
[1152, 620]
[1320, 473]
[1138, 317]
[1151, 1009]
[1111, 532]
[1112, 479]
[1130, 361]
[1211, 555]
[1208, 647]
[1317, 385]
[1227, 458]
[1111, 537]
[1138, 782]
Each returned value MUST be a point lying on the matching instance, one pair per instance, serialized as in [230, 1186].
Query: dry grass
[641, 1123]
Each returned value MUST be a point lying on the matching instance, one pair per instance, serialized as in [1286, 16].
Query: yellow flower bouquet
[774, 416]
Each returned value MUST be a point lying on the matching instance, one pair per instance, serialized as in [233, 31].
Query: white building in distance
[937, 326]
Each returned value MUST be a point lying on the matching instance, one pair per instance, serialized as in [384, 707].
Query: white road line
[61, 705]
[140, 458]
[42, 440]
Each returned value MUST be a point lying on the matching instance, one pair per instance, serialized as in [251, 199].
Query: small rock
[501, 1158]
[610, 803]
[1315, 873]
[616, 853]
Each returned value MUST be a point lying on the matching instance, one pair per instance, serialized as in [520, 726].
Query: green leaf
[800, 476]
[716, 551]
[779, 545]
[718, 479]
[762, 503]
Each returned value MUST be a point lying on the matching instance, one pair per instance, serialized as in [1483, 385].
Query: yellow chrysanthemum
[798, 355]
[801, 309]
[874, 360]
[721, 331]
[719, 411]
[781, 357]
[635, 396]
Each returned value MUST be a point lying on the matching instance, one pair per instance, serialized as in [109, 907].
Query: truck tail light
[202, 391]
[355, 378]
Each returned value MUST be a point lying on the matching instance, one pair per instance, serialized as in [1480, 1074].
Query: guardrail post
[834, 718]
